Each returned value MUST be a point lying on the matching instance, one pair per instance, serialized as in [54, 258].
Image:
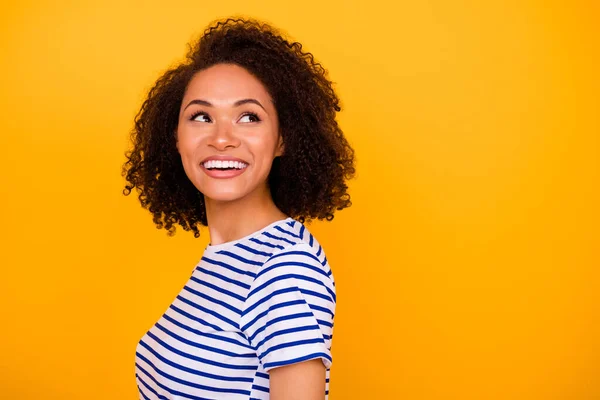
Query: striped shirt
[253, 304]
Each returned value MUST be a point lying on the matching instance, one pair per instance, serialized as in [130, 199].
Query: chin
[223, 195]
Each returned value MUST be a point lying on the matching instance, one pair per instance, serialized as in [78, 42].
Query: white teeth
[224, 164]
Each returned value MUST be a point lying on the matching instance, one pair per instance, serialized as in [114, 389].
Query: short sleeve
[289, 311]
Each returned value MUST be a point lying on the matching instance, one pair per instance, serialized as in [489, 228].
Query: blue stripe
[227, 266]
[322, 309]
[292, 264]
[275, 246]
[262, 375]
[295, 236]
[223, 278]
[241, 259]
[260, 388]
[286, 331]
[253, 251]
[199, 359]
[204, 334]
[311, 239]
[292, 344]
[192, 384]
[194, 318]
[287, 290]
[324, 262]
[207, 311]
[295, 360]
[218, 289]
[191, 370]
[279, 319]
[321, 322]
[320, 250]
[167, 389]
[292, 276]
[213, 300]
[203, 346]
[142, 393]
[302, 232]
[295, 252]
[292, 223]
[267, 234]
[271, 308]
[160, 396]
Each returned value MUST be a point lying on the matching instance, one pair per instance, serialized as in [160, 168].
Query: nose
[223, 136]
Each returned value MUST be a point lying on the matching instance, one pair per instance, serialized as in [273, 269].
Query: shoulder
[296, 240]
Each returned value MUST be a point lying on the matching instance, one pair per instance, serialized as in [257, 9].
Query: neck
[232, 220]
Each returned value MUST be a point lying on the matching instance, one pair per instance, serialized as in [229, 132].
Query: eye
[249, 117]
[200, 116]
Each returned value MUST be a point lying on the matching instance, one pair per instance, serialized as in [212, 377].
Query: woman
[242, 138]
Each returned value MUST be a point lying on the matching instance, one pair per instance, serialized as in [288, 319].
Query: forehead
[226, 82]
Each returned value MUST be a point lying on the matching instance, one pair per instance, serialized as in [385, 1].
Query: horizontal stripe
[292, 264]
[191, 384]
[205, 334]
[295, 236]
[284, 291]
[275, 246]
[167, 389]
[280, 319]
[152, 390]
[267, 234]
[191, 370]
[194, 318]
[239, 258]
[297, 360]
[253, 251]
[291, 344]
[199, 359]
[213, 300]
[271, 308]
[292, 276]
[322, 309]
[218, 289]
[227, 266]
[287, 331]
[294, 252]
[260, 388]
[223, 278]
[206, 310]
[202, 346]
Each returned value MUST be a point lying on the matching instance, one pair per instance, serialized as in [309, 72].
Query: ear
[280, 147]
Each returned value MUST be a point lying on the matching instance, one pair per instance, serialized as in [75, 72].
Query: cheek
[186, 144]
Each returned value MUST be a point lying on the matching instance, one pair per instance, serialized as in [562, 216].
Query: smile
[224, 165]
[220, 169]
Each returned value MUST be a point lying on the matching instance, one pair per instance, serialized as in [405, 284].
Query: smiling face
[228, 133]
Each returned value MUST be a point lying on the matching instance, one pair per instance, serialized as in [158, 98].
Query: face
[228, 133]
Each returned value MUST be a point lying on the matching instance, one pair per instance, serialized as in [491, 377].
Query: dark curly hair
[306, 182]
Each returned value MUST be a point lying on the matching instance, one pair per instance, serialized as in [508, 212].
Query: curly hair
[306, 182]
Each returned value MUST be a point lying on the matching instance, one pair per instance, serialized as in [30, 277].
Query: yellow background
[468, 266]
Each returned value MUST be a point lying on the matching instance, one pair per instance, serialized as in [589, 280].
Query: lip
[223, 158]
[223, 174]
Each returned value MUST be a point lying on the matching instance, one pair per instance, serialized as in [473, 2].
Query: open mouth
[218, 165]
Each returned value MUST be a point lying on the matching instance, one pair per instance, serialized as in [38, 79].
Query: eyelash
[198, 113]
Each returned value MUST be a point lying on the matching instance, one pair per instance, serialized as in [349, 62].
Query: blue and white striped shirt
[253, 304]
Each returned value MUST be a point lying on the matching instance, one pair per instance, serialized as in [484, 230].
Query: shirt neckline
[219, 247]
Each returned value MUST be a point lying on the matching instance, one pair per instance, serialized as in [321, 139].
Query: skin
[238, 206]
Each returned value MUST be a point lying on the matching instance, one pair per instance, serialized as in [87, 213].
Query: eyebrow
[236, 104]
